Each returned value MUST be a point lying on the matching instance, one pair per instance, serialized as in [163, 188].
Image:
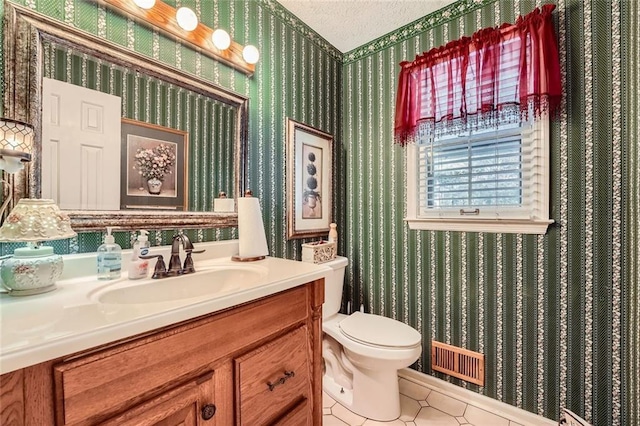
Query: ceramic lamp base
[32, 270]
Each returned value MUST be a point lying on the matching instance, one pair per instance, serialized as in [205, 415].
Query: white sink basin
[214, 280]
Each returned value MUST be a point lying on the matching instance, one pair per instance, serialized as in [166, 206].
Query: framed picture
[309, 180]
[154, 167]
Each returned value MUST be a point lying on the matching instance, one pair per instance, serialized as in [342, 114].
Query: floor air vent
[458, 362]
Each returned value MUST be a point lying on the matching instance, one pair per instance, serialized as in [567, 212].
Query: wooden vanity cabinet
[255, 364]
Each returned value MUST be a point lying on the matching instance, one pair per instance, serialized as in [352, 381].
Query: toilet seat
[376, 330]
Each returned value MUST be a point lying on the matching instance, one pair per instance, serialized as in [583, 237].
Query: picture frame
[309, 180]
[154, 167]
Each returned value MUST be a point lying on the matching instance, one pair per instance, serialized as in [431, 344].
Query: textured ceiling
[348, 24]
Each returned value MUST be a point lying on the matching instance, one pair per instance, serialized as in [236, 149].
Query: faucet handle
[188, 267]
[174, 265]
[160, 270]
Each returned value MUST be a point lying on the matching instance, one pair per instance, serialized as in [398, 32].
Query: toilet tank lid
[337, 263]
[380, 331]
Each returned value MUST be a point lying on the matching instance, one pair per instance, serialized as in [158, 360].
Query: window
[481, 180]
[473, 115]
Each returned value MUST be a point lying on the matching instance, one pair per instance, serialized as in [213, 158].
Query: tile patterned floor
[420, 406]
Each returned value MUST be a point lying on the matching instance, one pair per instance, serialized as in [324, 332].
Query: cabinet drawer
[300, 415]
[272, 378]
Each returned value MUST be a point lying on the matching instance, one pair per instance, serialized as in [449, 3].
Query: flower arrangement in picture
[155, 163]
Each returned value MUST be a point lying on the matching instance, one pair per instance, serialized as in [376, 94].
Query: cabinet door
[188, 405]
[273, 378]
[12, 398]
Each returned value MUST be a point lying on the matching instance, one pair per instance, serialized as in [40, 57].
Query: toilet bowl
[362, 354]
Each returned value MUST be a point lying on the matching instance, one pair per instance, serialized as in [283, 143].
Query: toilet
[362, 353]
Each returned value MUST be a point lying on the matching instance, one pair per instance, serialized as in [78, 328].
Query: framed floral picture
[309, 180]
[154, 167]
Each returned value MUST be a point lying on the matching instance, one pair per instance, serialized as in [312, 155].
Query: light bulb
[250, 54]
[187, 19]
[221, 39]
[145, 4]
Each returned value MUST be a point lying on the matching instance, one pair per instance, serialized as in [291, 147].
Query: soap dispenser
[109, 258]
[139, 268]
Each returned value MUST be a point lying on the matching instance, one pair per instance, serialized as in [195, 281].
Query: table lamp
[16, 144]
[33, 269]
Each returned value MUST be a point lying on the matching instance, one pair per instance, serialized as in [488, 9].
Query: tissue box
[320, 252]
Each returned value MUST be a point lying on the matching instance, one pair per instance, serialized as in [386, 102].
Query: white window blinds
[483, 173]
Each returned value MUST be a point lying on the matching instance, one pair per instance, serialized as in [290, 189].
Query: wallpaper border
[415, 28]
[289, 18]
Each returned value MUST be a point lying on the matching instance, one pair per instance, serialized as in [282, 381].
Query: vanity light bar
[163, 17]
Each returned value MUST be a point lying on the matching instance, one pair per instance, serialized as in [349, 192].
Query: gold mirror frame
[24, 33]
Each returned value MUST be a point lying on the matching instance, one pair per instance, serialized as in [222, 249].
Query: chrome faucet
[175, 266]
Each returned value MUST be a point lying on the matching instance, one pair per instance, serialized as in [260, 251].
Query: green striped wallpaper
[556, 315]
[629, 87]
[553, 314]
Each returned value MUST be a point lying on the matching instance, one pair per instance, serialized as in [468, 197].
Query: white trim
[491, 405]
[536, 224]
[506, 226]
[411, 154]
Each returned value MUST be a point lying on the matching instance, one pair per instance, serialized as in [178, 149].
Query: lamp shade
[16, 144]
[33, 220]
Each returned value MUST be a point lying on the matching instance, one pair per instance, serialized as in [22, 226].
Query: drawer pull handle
[208, 411]
[281, 380]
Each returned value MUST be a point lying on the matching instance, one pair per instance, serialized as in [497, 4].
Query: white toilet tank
[333, 286]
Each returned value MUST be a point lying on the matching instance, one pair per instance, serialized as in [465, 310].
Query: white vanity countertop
[38, 328]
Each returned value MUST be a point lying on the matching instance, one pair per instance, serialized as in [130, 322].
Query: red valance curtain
[495, 76]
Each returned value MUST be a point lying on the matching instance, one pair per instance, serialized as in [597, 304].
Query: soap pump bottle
[138, 268]
[109, 258]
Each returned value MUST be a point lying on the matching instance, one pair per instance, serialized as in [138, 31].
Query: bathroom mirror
[32, 43]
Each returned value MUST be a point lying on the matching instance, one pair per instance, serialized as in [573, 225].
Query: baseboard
[502, 409]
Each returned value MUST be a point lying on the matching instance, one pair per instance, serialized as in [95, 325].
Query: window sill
[502, 226]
